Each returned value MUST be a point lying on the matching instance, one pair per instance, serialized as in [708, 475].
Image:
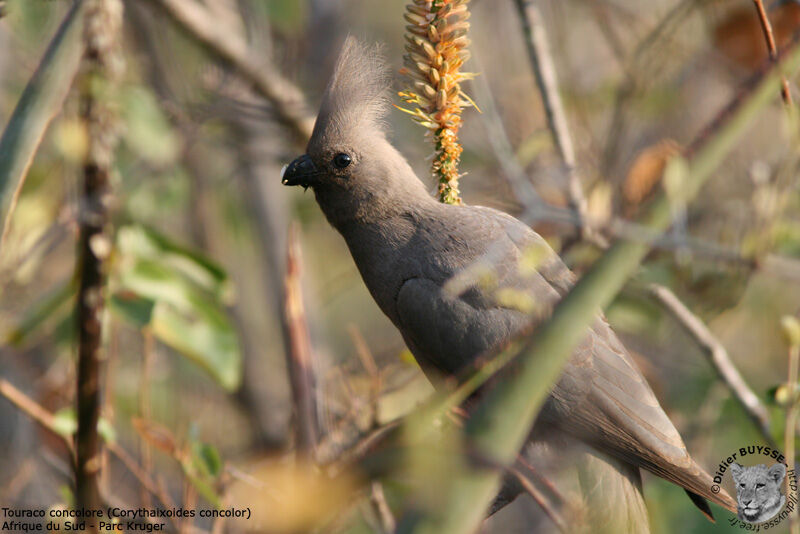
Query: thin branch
[32, 409]
[102, 65]
[286, 98]
[717, 356]
[144, 479]
[766, 27]
[541, 499]
[547, 81]
[382, 510]
[300, 364]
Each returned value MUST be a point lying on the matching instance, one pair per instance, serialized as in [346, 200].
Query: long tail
[699, 486]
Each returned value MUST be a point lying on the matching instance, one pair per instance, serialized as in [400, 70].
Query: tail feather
[702, 505]
[698, 485]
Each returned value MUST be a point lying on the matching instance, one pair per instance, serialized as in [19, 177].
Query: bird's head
[353, 169]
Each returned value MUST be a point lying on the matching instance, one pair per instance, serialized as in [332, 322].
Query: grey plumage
[408, 248]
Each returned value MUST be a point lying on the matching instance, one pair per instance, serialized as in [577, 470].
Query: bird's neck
[388, 199]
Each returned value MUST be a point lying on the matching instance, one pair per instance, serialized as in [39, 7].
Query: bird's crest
[357, 93]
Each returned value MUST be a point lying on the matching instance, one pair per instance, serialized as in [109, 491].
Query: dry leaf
[645, 173]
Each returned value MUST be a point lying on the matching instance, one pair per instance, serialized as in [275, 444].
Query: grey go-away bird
[408, 246]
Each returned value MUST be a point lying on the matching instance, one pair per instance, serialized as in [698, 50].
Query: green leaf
[41, 100]
[142, 242]
[214, 347]
[207, 458]
[132, 308]
[67, 497]
[202, 467]
[65, 422]
[106, 430]
[180, 295]
[203, 488]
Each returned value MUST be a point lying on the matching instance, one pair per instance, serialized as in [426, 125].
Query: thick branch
[101, 66]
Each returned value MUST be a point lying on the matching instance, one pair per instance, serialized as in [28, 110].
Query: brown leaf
[645, 173]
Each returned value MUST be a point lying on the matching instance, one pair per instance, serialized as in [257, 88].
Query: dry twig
[766, 27]
[288, 101]
[547, 80]
[541, 499]
[33, 410]
[717, 356]
[141, 475]
[300, 364]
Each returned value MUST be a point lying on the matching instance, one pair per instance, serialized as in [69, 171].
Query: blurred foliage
[191, 270]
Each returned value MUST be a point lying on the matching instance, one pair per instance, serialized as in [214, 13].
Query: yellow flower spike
[436, 44]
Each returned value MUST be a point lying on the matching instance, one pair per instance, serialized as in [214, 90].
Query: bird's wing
[446, 332]
[602, 397]
[607, 402]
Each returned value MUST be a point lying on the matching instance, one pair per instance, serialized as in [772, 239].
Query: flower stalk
[436, 50]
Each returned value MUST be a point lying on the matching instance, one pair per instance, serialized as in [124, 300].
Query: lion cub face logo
[758, 491]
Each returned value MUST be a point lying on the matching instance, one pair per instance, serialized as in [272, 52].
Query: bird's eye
[342, 160]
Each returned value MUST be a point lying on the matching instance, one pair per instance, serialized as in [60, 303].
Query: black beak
[299, 172]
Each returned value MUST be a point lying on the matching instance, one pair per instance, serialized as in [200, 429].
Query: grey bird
[415, 255]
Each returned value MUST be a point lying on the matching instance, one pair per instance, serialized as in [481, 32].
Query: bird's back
[460, 281]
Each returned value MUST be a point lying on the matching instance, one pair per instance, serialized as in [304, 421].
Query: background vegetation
[202, 311]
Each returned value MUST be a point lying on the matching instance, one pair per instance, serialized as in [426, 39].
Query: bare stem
[103, 19]
[301, 372]
[547, 81]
